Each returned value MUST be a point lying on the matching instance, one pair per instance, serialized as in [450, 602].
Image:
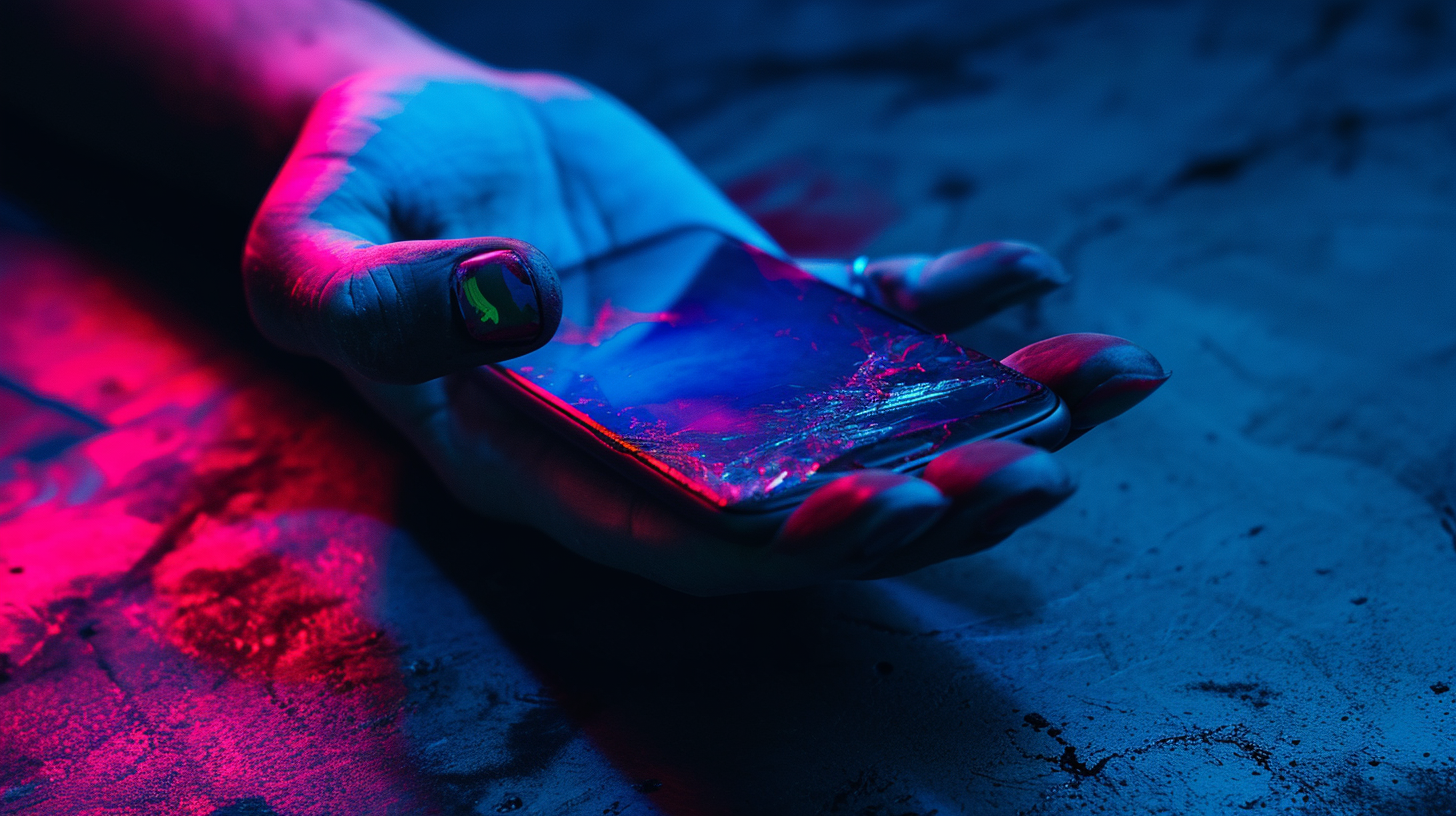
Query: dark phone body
[734, 383]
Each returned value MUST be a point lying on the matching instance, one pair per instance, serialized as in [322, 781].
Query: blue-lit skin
[409, 159]
[953, 291]
[572, 162]
[413, 160]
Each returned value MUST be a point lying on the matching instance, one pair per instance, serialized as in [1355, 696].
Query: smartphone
[733, 382]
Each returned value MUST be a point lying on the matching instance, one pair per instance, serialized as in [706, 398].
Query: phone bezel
[1044, 422]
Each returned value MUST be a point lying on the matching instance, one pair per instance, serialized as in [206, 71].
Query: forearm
[212, 89]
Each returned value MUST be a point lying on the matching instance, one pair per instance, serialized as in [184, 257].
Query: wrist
[282, 76]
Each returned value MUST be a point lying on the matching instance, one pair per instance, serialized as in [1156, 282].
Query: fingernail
[963, 287]
[497, 297]
[998, 486]
[1099, 376]
[1036, 263]
[964, 469]
[898, 527]
[1115, 397]
[867, 514]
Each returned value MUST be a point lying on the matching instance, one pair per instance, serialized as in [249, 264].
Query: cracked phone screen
[748, 381]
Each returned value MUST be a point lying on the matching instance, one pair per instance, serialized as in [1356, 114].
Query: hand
[392, 184]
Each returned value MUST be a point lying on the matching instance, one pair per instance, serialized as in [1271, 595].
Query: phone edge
[1042, 430]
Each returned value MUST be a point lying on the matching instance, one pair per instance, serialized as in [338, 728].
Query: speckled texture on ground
[1247, 605]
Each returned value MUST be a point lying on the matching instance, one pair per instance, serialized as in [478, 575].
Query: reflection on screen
[742, 377]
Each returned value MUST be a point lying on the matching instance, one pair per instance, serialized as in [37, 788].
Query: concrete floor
[1247, 605]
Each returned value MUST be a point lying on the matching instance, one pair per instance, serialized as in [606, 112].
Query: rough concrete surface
[1246, 606]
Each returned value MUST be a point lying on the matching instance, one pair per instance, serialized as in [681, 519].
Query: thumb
[405, 311]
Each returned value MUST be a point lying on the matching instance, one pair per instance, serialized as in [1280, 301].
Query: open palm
[397, 178]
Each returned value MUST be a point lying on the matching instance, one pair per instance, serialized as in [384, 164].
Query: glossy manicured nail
[498, 298]
[996, 486]
[907, 514]
[959, 288]
[866, 514]
[963, 471]
[1099, 376]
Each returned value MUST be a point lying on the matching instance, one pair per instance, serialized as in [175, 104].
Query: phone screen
[746, 380]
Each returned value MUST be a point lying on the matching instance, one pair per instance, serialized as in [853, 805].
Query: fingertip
[997, 486]
[1039, 264]
[863, 515]
[961, 287]
[1114, 397]
[508, 296]
[411, 311]
[548, 287]
[994, 487]
[1025, 262]
[960, 470]
[1098, 376]
[991, 470]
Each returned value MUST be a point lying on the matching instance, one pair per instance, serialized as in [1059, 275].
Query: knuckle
[357, 326]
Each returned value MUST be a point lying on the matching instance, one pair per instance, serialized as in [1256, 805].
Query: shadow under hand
[763, 703]
[846, 698]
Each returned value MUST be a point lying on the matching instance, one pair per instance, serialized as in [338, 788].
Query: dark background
[1247, 604]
